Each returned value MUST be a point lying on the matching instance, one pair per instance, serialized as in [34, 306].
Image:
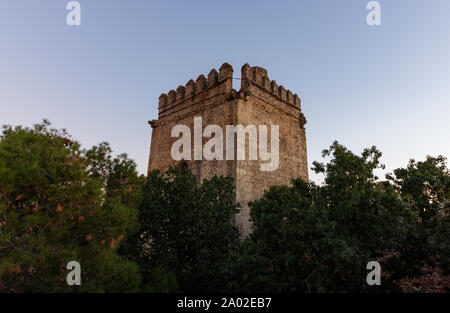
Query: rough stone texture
[259, 102]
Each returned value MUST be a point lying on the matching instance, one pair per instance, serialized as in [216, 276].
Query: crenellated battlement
[258, 76]
[221, 80]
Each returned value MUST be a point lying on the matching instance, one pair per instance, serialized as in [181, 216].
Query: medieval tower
[259, 101]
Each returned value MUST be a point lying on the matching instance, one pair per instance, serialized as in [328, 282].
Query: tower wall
[263, 102]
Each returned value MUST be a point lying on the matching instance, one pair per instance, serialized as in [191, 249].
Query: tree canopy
[186, 228]
[168, 232]
[56, 207]
[310, 238]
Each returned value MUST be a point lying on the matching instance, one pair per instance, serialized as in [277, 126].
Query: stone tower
[260, 101]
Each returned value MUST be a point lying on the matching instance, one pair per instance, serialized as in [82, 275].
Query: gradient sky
[386, 85]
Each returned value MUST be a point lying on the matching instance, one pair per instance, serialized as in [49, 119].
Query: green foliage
[425, 186]
[54, 209]
[425, 189]
[310, 238]
[294, 247]
[369, 214]
[160, 280]
[186, 228]
[168, 233]
[118, 174]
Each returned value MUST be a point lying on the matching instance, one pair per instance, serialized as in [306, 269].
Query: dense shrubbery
[168, 233]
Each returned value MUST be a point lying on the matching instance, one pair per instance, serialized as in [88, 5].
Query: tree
[425, 189]
[55, 208]
[186, 228]
[368, 213]
[118, 174]
[311, 238]
[293, 247]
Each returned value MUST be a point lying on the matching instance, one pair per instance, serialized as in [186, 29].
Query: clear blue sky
[386, 85]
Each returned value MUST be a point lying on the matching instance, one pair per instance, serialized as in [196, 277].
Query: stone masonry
[260, 101]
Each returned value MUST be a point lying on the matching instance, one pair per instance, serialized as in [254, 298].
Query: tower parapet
[255, 81]
[258, 76]
[216, 83]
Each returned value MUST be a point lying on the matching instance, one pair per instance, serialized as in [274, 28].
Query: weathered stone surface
[259, 102]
